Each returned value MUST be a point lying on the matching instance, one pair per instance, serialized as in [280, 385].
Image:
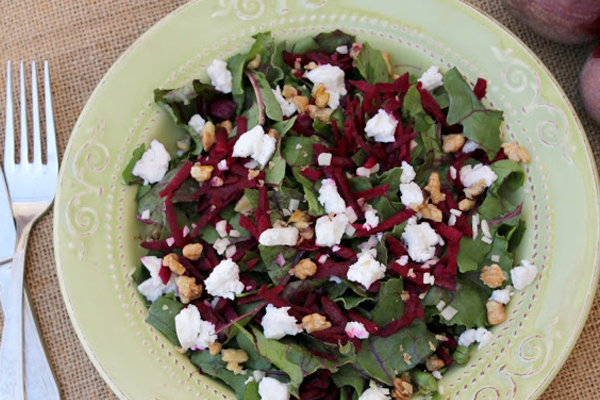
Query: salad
[328, 229]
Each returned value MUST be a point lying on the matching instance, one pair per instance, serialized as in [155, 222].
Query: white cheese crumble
[222, 165]
[271, 389]
[453, 172]
[197, 123]
[523, 275]
[221, 228]
[324, 159]
[437, 375]
[145, 215]
[382, 127]
[255, 143]
[448, 313]
[452, 220]
[371, 217]
[480, 335]
[403, 260]
[192, 332]
[431, 79]
[408, 173]
[294, 203]
[342, 49]
[329, 231]
[470, 146]
[471, 175]
[221, 245]
[230, 252]
[411, 195]
[366, 270]
[441, 305]
[154, 163]
[485, 229]
[277, 323]
[153, 287]
[287, 107]
[502, 295]
[350, 230]
[332, 77]
[456, 212]
[329, 197]
[495, 258]
[224, 280]
[356, 329]
[421, 240]
[374, 393]
[220, 76]
[428, 279]
[279, 236]
[352, 217]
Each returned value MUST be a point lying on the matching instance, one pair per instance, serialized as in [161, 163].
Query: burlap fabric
[82, 39]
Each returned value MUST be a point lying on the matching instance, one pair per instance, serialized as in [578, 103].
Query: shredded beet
[389, 223]
[480, 88]
[177, 180]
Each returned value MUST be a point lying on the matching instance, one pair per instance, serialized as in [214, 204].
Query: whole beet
[589, 84]
[563, 21]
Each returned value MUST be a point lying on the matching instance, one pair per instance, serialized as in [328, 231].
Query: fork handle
[11, 348]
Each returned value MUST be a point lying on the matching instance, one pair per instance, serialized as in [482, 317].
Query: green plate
[96, 235]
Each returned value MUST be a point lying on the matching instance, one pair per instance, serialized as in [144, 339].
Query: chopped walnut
[299, 216]
[516, 152]
[207, 136]
[434, 364]
[215, 348]
[253, 173]
[289, 91]
[403, 390]
[320, 95]
[311, 65]
[431, 212]
[466, 205]
[233, 358]
[452, 142]
[227, 125]
[495, 312]
[301, 102]
[433, 187]
[307, 232]
[201, 173]
[386, 59]
[305, 268]
[475, 190]
[192, 251]
[171, 261]
[273, 133]
[188, 289]
[216, 181]
[315, 322]
[492, 276]
[322, 114]
[255, 62]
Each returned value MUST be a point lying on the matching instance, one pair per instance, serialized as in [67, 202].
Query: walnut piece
[322, 114]
[255, 62]
[434, 364]
[243, 206]
[273, 133]
[495, 312]
[315, 322]
[452, 142]
[301, 102]
[192, 251]
[475, 190]
[201, 173]
[215, 348]
[233, 358]
[431, 212]
[386, 60]
[188, 289]
[403, 390]
[311, 65]
[171, 261]
[305, 268]
[492, 276]
[227, 125]
[434, 188]
[289, 91]
[466, 204]
[299, 216]
[207, 136]
[321, 97]
[516, 152]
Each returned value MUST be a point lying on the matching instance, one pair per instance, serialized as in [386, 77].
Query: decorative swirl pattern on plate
[253, 9]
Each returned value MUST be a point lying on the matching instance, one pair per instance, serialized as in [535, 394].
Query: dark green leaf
[255, 360]
[329, 41]
[304, 46]
[510, 175]
[161, 315]
[270, 253]
[274, 173]
[479, 124]
[349, 376]
[470, 301]
[283, 127]
[411, 105]
[389, 306]
[298, 150]
[140, 274]
[461, 355]
[500, 249]
[383, 358]
[424, 381]
[272, 107]
[236, 65]
[371, 65]
[351, 301]
[252, 391]
[128, 176]
[385, 208]
[471, 253]
[314, 207]
[215, 367]
[517, 236]
[392, 178]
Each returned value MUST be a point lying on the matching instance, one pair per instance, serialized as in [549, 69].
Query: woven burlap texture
[82, 39]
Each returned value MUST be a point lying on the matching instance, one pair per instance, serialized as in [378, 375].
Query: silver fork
[32, 187]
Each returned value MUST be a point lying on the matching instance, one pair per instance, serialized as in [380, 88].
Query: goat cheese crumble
[220, 76]
[366, 270]
[257, 144]
[279, 236]
[329, 231]
[382, 127]
[431, 79]
[421, 240]
[154, 163]
[277, 323]
[192, 332]
[332, 77]
[523, 275]
[224, 280]
[329, 197]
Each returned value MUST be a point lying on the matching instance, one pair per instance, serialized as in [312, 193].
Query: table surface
[82, 39]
